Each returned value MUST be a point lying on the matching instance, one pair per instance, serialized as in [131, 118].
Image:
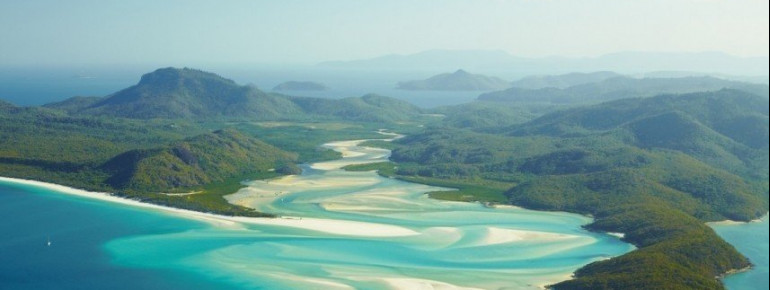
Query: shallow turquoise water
[751, 239]
[339, 230]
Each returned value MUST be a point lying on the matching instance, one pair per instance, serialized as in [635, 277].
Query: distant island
[300, 86]
[460, 80]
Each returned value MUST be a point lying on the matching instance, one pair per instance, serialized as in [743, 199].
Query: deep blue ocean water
[78, 229]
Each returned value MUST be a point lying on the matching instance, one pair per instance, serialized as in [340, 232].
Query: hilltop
[173, 93]
[460, 80]
[185, 93]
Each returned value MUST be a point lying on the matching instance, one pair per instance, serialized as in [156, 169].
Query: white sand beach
[339, 227]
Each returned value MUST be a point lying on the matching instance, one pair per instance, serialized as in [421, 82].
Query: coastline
[735, 271]
[345, 228]
[329, 226]
[734, 222]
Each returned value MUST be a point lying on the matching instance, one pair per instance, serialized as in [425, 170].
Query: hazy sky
[36, 32]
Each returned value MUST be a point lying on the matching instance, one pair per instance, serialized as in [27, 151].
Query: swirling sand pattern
[345, 230]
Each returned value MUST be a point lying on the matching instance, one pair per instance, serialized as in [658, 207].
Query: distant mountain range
[194, 94]
[562, 81]
[300, 86]
[460, 80]
[622, 62]
[616, 88]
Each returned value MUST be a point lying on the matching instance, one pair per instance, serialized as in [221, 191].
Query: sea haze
[32, 87]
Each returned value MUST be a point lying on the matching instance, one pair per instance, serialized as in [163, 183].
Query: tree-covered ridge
[189, 93]
[74, 104]
[484, 115]
[6, 106]
[727, 129]
[459, 80]
[654, 169]
[619, 88]
[172, 93]
[194, 162]
[368, 108]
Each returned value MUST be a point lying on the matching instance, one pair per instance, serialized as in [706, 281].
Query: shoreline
[335, 227]
[735, 271]
[328, 226]
[734, 222]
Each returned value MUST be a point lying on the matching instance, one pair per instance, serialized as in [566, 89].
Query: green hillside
[654, 169]
[194, 162]
[74, 104]
[171, 93]
[727, 128]
[369, 108]
[188, 93]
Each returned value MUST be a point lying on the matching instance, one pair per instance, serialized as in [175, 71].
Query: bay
[338, 229]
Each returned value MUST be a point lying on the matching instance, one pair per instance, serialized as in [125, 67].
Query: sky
[108, 32]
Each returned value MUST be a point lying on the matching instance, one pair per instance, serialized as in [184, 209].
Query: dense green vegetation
[196, 161]
[143, 159]
[386, 169]
[654, 168]
[172, 93]
[368, 108]
[484, 115]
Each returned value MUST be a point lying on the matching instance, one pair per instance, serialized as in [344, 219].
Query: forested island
[653, 159]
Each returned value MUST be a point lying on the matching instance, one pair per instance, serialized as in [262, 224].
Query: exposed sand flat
[374, 200]
[496, 236]
[732, 222]
[316, 283]
[414, 283]
[261, 193]
[619, 235]
[338, 227]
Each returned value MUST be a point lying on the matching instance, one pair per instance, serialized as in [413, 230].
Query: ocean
[751, 239]
[38, 86]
